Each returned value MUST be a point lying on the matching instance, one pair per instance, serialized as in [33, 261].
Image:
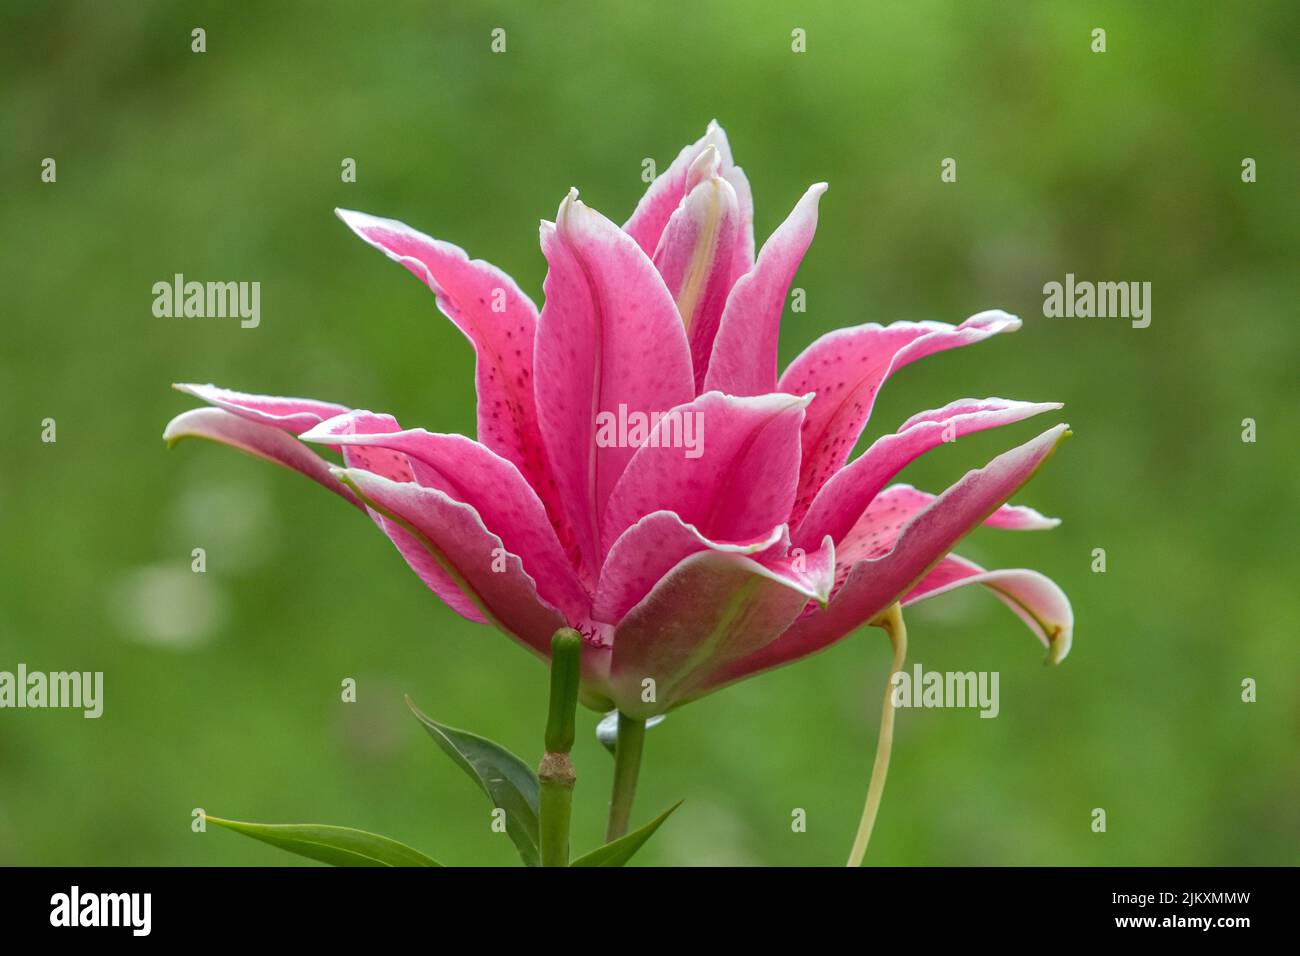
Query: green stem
[556, 806]
[892, 621]
[556, 774]
[627, 767]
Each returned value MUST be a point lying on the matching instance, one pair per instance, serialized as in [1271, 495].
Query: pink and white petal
[269, 442]
[609, 338]
[274, 443]
[877, 529]
[1020, 518]
[381, 461]
[427, 568]
[742, 250]
[713, 608]
[665, 194]
[1035, 598]
[471, 473]
[500, 322]
[874, 583]
[909, 500]
[293, 415]
[845, 497]
[464, 554]
[741, 482]
[744, 357]
[397, 467]
[652, 547]
[696, 255]
[846, 369]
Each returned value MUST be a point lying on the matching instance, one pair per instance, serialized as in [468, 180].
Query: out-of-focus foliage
[222, 690]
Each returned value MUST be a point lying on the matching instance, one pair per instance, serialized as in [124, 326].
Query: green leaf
[509, 783]
[621, 850]
[338, 846]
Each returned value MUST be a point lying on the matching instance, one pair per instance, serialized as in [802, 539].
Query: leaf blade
[337, 846]
[618, 852]
[507, 781]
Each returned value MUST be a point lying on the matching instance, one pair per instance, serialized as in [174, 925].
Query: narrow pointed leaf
[509, 783]
[621, 850]
[338, 846]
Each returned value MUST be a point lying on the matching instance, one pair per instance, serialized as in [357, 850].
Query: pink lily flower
[685, 568]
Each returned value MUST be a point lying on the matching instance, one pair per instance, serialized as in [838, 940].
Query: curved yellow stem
[892, 621]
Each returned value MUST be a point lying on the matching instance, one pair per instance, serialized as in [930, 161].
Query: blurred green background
[222, 690]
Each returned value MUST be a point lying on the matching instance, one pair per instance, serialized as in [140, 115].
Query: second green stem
[627, 767]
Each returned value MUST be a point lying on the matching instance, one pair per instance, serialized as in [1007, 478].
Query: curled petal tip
[177, 429]
[1058, 644]
[828, 583]
[354, 219]
[993, 320]
[707, 164]
[564, 216]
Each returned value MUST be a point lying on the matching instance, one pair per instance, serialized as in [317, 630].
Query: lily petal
[1035, 598]
[652, 547]
[446, 542]
[293, 415]
[396, 467]
[742, 480]
[744, 355]
[846, 369]
[609, 339]
[711, 609]
[876, 531]
[742, 250]
[473, 474]
[695, 255]
[665, 194]
[275, 442]
[845, 497]
[873, 584]
[270, 442]
[500, 322]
